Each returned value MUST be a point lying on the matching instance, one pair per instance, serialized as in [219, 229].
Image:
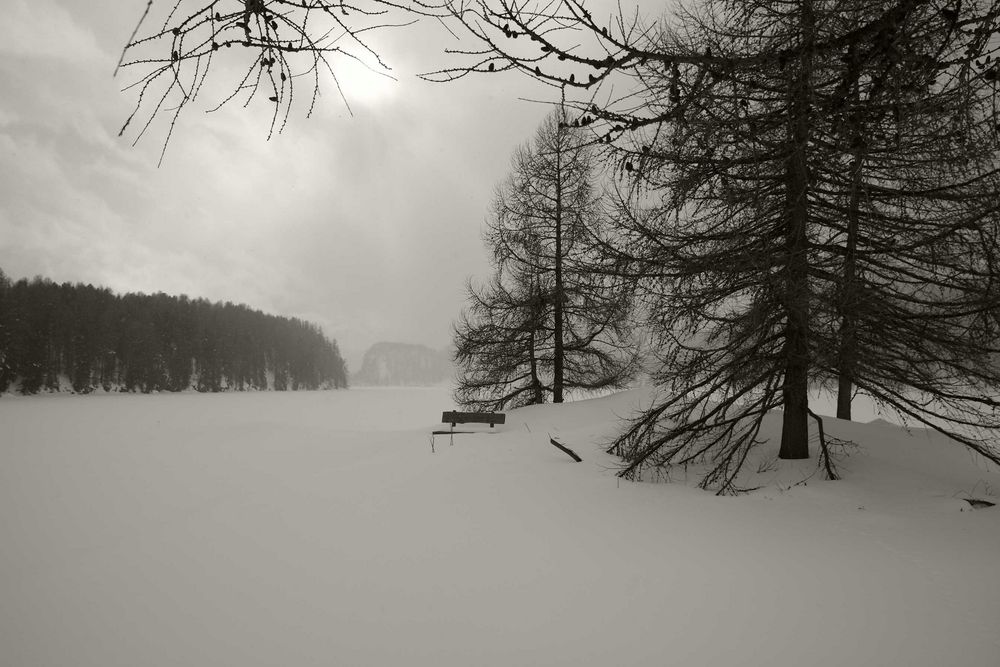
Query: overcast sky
[367, 225]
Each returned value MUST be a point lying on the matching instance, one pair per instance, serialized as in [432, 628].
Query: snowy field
[318, 528]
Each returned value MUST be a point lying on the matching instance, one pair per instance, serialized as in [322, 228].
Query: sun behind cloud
[363, 85]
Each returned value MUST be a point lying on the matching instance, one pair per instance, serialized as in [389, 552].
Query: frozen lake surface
[317, 528]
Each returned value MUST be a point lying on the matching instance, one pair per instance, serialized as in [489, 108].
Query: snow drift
[317, 528]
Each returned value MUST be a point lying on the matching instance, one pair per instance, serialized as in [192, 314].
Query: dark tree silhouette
[794, 228]
[51, 334]
[549, 322]
[908, 202]
[499, 348]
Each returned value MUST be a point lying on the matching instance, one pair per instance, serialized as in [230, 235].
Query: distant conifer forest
[82, 338]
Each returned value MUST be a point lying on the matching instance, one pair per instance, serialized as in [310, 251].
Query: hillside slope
[402, 365]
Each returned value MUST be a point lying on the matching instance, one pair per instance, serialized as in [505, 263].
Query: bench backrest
[455, 417]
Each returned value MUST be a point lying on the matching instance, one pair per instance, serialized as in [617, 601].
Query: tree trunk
[847, 354]
[557, 310]
[795, 389]
[536, 384]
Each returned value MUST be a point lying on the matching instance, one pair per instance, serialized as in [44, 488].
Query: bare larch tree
[571, 320]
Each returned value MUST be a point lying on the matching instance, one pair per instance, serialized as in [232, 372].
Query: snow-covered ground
[318, 528]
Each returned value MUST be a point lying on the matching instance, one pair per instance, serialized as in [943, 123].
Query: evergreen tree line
[95, 339]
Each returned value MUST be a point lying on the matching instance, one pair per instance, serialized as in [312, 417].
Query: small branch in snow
[565, 449]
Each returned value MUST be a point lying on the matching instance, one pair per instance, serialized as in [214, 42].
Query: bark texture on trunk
[847, 353]
[557, 309]
[795, 389]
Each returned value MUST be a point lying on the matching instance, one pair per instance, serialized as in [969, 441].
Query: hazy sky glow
[367, 225]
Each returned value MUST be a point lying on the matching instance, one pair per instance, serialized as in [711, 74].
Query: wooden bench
[454, 417]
